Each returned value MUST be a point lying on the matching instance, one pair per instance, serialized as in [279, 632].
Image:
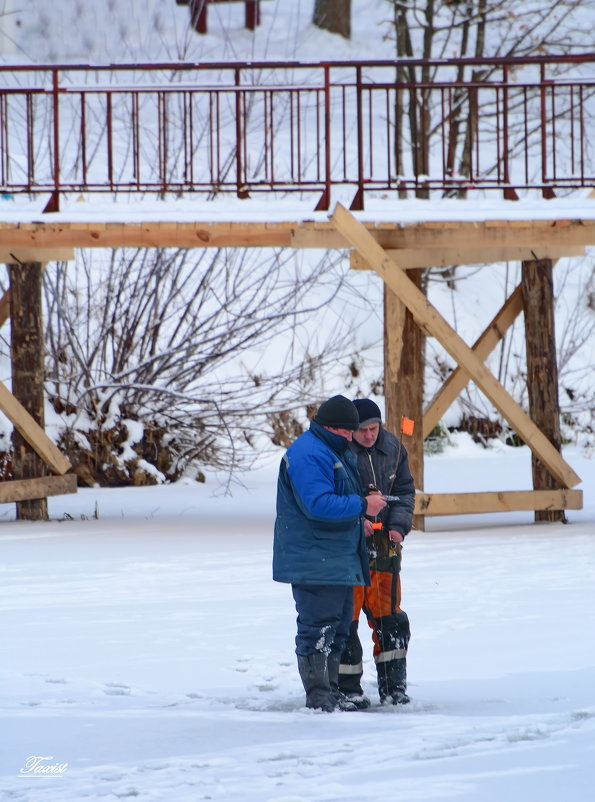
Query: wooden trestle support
[397, 253]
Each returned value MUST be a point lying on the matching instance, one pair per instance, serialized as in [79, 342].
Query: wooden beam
[32, 432]
[502, 501]
[480, 235]
[27, 489]
[431, 321]
[446, 257]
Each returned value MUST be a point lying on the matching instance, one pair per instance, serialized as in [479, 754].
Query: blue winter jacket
[319, 536]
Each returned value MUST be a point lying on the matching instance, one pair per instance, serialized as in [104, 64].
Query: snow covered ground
[147, 653]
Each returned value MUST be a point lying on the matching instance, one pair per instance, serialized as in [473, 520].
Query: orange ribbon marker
[407, 425]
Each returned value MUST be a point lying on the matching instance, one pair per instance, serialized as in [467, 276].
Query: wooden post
[27, 354]
[404, 345]
[542, 369]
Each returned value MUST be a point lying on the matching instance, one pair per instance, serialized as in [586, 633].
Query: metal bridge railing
[407, 126]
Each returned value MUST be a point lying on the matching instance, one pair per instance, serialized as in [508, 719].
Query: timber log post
[404, 357]
[542, 369]
[27, 356]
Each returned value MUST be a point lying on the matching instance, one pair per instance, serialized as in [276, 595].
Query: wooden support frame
[406, 246]
[23, 302]
[430, 320]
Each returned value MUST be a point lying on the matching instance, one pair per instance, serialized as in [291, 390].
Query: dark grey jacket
[378, 466]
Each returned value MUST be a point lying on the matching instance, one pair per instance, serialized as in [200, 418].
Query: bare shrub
[159, 360]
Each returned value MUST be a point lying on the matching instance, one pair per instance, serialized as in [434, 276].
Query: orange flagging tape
[407, 425]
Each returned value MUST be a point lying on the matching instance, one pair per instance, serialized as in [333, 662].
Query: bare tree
[445, 29]
[156, 358]
[333, 16]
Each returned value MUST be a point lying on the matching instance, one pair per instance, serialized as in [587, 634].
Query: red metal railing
[514, 125]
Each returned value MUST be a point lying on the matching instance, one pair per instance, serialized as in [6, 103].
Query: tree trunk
[404, 344]
[333, 16]
[27, 353]
[542, 369]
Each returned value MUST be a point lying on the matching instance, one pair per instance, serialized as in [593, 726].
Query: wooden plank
[32, 432]
[480, 235]
[502, 501]
[43, 255]
[445, 257]
[27, 489]
[432, 321]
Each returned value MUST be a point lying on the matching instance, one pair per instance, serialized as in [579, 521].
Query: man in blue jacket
[319, 544]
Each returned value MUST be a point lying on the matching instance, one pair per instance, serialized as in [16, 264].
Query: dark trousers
[324, 617]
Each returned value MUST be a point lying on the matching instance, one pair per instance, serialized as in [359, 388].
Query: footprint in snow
[116, 689]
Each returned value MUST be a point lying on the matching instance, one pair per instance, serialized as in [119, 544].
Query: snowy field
[147, 654]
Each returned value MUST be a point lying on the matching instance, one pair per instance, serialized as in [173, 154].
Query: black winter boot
[393, 634]
[339, 698]
[314, 674]
[392, 681]
[351, 670]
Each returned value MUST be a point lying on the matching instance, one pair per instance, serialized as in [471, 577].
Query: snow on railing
[377, 127]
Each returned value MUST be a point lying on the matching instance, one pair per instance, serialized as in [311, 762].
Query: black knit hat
[338, 413]
[368, 411]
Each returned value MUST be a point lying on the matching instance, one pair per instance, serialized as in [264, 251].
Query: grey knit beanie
[368, 411]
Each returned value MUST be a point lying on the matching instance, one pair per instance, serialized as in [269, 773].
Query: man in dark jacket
[382, 464]
[319, 545]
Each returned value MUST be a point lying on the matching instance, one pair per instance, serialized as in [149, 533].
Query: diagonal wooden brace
[32, 432]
